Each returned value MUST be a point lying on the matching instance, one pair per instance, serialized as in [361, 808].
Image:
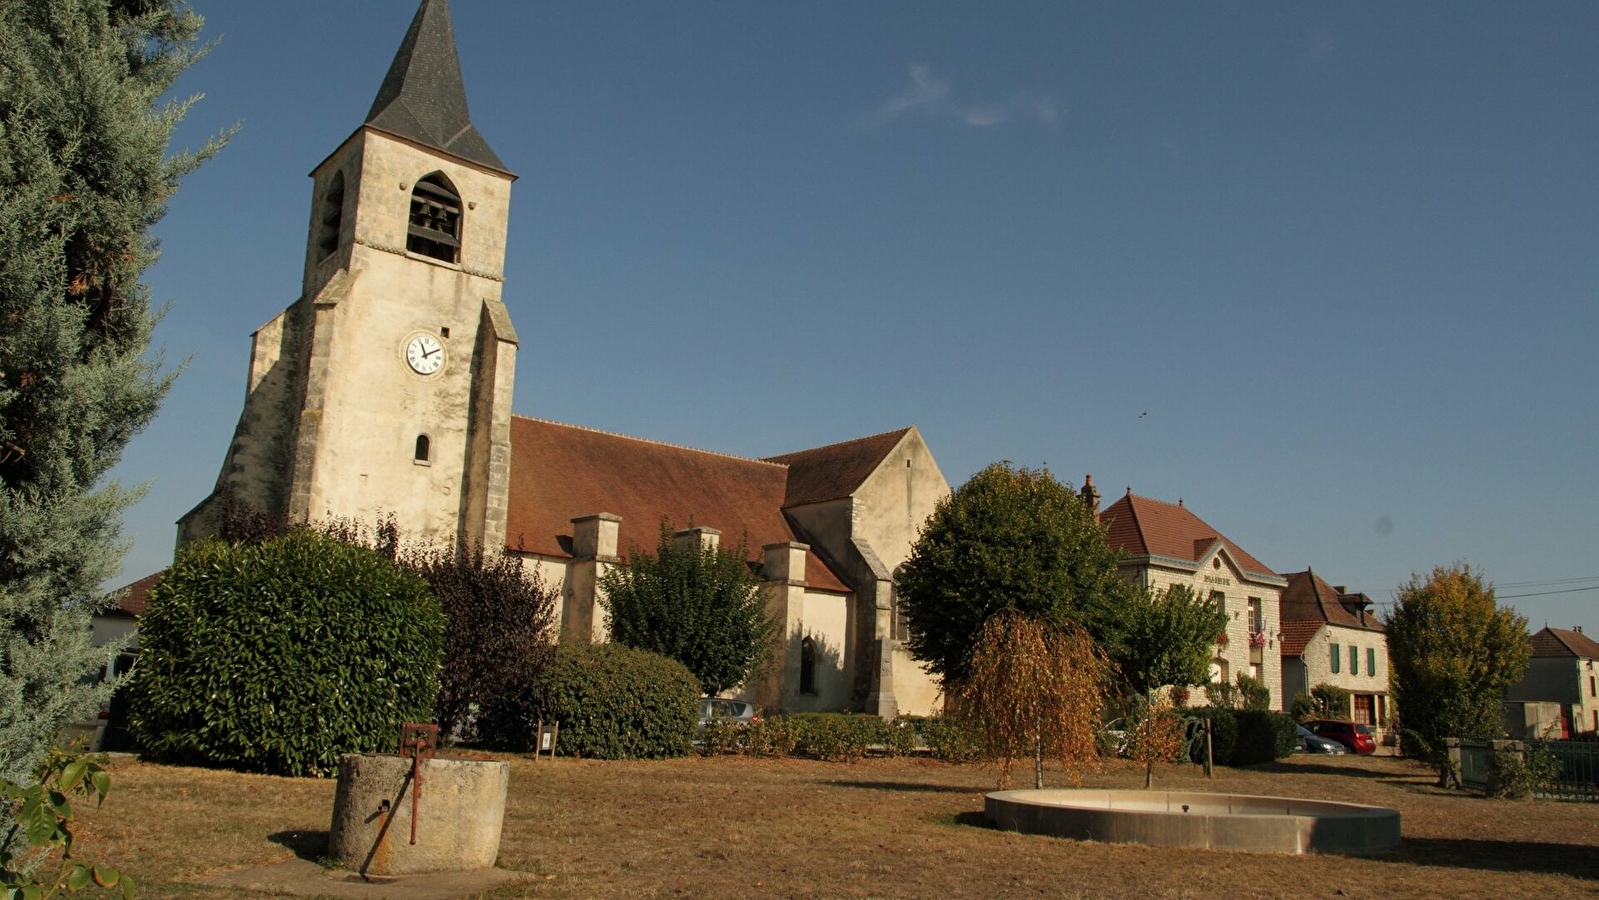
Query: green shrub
[1304, 708]
[1332, 702]
[1253, 693]
[1223, 734]
[723, 735]
[1263, 736]
[770, 737]
[949, 740]
[901, 736]
[280, 657]
[841, 737]
[613, 702]
[1515, 774]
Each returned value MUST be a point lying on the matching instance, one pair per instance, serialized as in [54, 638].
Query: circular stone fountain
[1209, 821]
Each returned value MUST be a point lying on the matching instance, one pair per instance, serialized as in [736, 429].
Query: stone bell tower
[386, 387]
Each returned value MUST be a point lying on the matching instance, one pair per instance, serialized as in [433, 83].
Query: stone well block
[459, 814]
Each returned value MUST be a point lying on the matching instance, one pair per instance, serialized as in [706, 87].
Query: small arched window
[435, 223]
[330, 217]
[807, 666]
[424, 449]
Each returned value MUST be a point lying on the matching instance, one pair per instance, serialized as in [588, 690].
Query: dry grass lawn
[735, 827]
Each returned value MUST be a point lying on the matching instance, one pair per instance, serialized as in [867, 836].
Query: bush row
[844, 737]
[1241, 737]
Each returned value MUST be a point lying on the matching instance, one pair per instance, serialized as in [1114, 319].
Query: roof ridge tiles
[641, 440]
[858, 440]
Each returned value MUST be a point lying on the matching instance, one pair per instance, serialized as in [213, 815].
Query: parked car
[716, 708]
[1357, 738]
[1309, 743]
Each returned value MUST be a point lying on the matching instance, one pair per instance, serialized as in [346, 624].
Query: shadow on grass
[1352, 769]
[909, 787]
[309, 845]
[1575, 860]
[973, 820]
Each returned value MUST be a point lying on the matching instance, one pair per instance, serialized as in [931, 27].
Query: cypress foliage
[84, 174]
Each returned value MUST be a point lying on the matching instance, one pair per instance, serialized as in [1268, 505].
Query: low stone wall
[459, 814]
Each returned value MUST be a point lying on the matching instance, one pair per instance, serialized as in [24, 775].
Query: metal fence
[1575, 766]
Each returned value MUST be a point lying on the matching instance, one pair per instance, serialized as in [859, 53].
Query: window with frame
[807, 666]
[424, 450]
[435, 222]
[1336, 656]
[1257, 616]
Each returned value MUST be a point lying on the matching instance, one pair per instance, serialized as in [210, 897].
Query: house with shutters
[1165, 545]
[1332, 636]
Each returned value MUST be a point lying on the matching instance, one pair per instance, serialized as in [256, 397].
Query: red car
[1355, 736]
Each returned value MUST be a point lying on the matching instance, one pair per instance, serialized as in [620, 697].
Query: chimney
[595, 536]
[785, 562]
[1091, 496]
[698, 538]
[1577, 629]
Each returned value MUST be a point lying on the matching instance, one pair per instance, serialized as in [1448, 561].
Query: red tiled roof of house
[836, 470]
[1308, 598]
[561, 472]
[135, 595]
[1296, 636]
[1564, 642]
[1139, 526]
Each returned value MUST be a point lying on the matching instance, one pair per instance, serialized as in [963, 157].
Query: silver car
[738, 711]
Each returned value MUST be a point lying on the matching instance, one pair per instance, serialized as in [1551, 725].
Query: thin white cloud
[929, 96]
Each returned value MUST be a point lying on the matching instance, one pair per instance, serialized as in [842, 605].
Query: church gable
[835, 471]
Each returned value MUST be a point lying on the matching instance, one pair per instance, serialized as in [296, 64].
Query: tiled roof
[422, 96]
[133, 601]
[1564, 642]
[1139, 526]
[1296, 636]
[1307, 598]
[836, 470]
[561, 472]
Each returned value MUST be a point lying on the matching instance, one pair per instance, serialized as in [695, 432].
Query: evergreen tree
[1169, 638]
[701, 607]
[84, 174]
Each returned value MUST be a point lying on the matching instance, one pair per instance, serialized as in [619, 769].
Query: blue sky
[1327, 272]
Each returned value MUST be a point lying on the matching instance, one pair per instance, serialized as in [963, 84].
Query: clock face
[425, 354]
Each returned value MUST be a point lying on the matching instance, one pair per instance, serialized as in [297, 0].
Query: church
[386, 389]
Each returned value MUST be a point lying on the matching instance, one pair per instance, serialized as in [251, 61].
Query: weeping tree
[84, 174]
[1034, 689]
[1155, 733]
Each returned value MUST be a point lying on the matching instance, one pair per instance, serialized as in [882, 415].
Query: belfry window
[435, 223]
[330, 218]
[424, 450]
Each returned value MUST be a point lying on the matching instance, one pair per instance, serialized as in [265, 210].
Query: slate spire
[423, 98]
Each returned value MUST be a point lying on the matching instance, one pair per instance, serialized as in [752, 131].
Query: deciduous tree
[84, 174]
[1168, 640]
[701, 606]
[1009, 538]
[1033, 689]
[1453, 652]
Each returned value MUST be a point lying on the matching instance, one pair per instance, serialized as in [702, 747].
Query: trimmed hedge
[613, 702]
[834, 736]
[1263, 736]
[281, 656]
[1223, 734]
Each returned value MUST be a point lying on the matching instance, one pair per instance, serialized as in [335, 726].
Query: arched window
[807, 666]
[424, 449]
[435, 226]
[330, 217]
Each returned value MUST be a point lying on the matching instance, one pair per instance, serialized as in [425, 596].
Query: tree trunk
[1038, 763]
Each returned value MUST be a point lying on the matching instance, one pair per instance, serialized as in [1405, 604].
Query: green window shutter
[1337, 658]
[1371, 660]
[1354, 660]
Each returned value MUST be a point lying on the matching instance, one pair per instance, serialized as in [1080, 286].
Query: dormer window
[435, 223]
[330, 218]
